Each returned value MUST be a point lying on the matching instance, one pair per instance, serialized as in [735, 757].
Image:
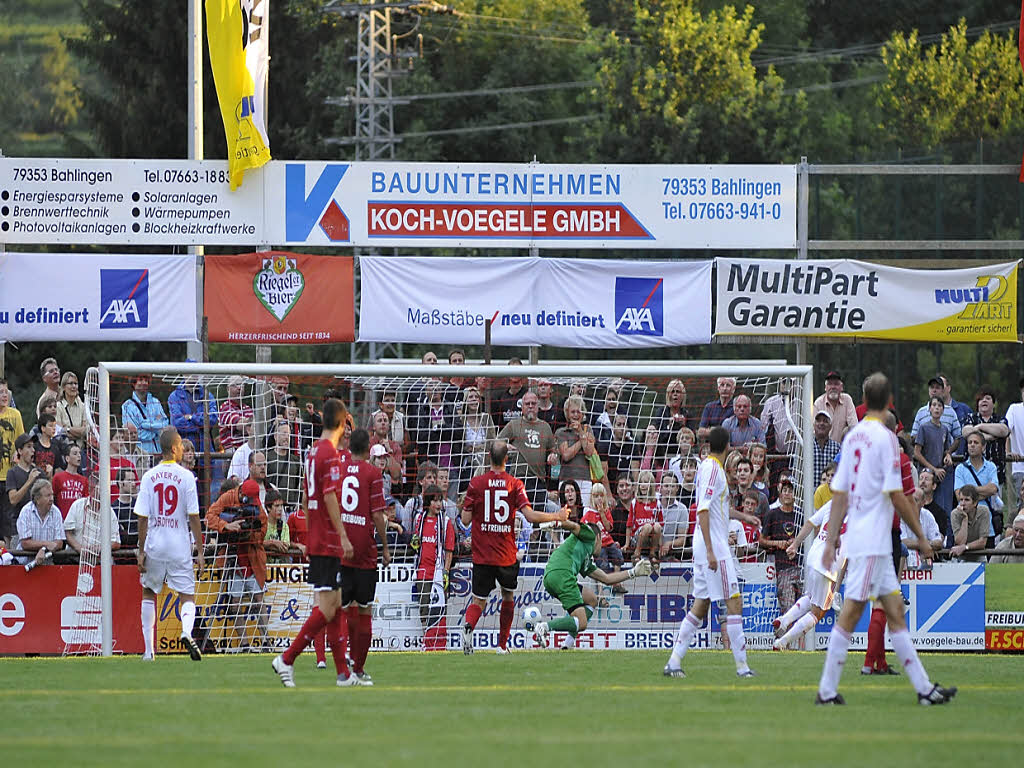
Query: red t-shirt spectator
[644, 513]
[297, 528]
[117, 463]
[68, 488]
[593, 516]
[426, 527]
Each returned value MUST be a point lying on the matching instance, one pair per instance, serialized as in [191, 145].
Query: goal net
[431, 427]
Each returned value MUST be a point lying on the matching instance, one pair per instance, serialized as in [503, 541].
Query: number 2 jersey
[494, 498]
[323, 476]
[360, 494]
[167, 497]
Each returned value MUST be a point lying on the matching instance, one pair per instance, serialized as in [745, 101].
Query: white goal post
[374, 378]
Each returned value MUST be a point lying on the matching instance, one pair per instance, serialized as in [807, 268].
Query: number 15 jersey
[494, 498]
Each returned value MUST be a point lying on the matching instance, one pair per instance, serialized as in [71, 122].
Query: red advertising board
[279, 298]
[1004, 639]
[40, 612]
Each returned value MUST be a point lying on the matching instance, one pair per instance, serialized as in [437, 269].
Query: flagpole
[197, 350]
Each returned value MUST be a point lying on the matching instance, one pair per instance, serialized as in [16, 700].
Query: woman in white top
[72, 413]
[479, 431]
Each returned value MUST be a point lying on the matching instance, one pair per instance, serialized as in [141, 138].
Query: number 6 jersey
[166, 498]
[360, 495]
[494, 498]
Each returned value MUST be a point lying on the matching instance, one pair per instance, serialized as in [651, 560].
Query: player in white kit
[821, 584]
[715, 571]
[866, 487]
[168, 510]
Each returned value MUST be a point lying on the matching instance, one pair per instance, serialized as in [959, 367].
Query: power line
[475, 129]
[346, 100]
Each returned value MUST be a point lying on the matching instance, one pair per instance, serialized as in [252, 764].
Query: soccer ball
[531, 616]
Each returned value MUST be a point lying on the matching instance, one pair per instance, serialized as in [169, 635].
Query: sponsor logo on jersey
[124, 298]
[639, 306]
[305, 210]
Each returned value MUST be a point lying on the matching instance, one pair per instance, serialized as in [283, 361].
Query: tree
[60, 76]
[953, 91]
[682, 88]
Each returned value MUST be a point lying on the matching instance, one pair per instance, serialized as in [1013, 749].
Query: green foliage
[682, 87]
[955, 91]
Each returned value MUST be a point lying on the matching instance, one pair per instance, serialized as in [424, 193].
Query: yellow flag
[237, 34]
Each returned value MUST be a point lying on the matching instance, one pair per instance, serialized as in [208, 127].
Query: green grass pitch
[575, 708]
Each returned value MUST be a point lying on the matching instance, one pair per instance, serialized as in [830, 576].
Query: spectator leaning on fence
[40, 526]
[971, 524]
[978, 471]
[143, 413]
[1013, 540]
[74, 527]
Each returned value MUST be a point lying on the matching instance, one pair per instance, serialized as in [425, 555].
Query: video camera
[248, 515]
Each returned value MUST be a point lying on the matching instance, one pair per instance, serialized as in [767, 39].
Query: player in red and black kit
[362, 511]
[492, 501]
[326, 544]
[874, 658]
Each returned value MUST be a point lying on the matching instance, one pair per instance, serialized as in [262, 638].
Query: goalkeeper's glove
[643, 568]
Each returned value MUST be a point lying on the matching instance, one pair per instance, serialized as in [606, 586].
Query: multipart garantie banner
[765, 297]
[585, 303]
[97, 297]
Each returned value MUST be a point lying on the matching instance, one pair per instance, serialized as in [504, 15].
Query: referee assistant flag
[237, 33]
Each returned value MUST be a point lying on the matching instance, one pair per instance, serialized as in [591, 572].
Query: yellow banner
[236, 32]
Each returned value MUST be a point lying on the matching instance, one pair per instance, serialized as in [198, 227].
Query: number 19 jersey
[323, 476]
[166, 498]
[494, 498]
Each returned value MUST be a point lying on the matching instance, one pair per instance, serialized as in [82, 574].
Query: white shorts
[720, 584]
[176, 574]
[820, 589]
[869, 577]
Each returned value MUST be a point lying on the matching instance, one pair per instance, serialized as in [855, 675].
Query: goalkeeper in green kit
[575, 557]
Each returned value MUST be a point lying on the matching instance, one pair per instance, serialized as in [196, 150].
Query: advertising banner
[279, 298]
[841, 298]
[39, 611]
[1004, 607]
[82, 297]
[588, 303]
[402, 205]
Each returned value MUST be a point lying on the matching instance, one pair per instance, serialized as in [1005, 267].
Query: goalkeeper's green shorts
[562, 586]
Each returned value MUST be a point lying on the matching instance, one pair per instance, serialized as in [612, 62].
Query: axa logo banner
[829, 298]
[278, 297]
[92, 297]
[584, 303]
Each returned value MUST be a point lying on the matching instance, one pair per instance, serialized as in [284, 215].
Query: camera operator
[240, 522]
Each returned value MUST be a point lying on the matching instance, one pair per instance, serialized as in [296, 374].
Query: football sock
[687, 629]
[569, 642]
[148, 624]
[798, 609]
[365, 639]
[473, 612]
[904, 649]
[320, 645]
[188, 618]
[802, 625]
[335, 637]
[835, 659]
[875, 656]
[734, 627]
[310, 629]
[564, 624]
[508, 612]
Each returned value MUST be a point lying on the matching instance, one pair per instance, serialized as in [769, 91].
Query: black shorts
[324, 573]
[485, 576]
[358, 585]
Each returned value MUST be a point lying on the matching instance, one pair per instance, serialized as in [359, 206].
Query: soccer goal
[433, 426]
